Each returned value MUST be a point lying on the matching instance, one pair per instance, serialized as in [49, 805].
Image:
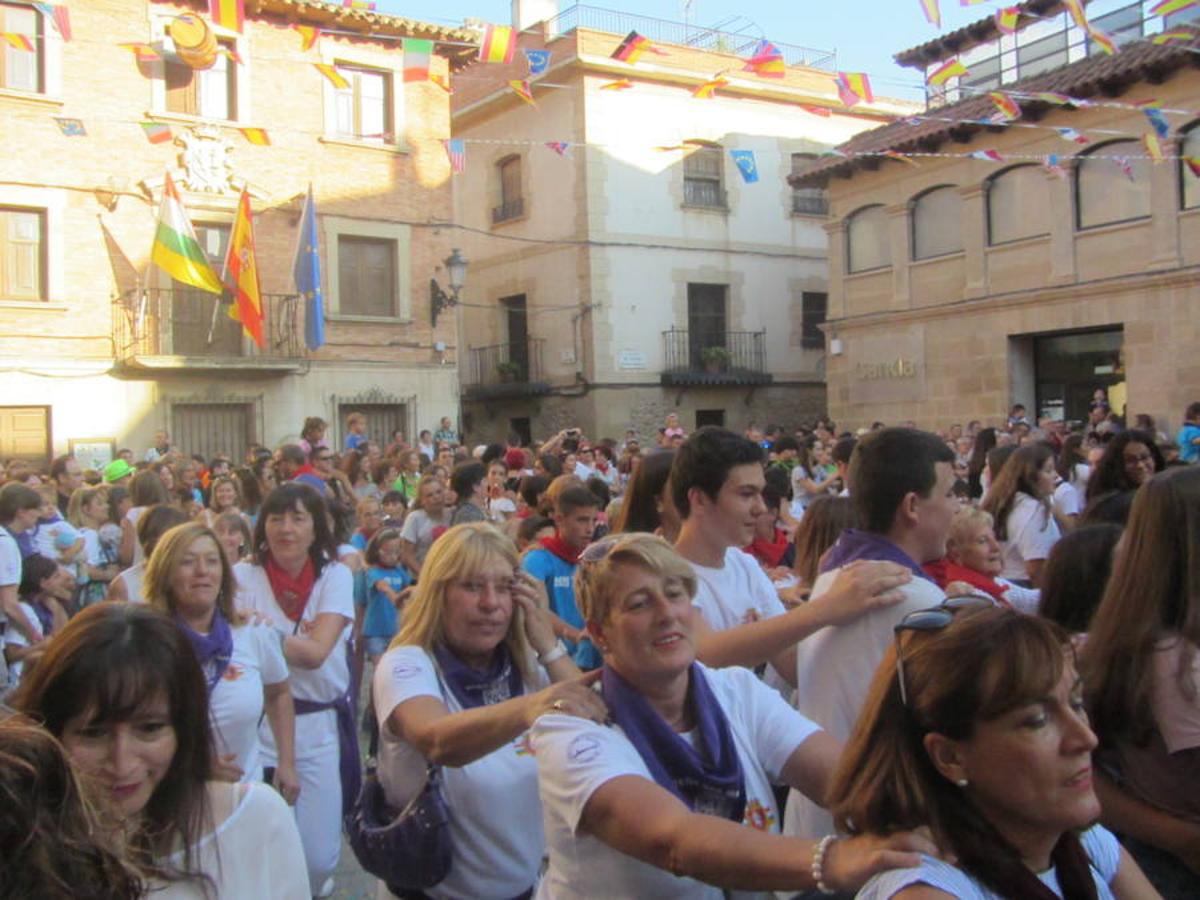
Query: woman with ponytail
[975, 728]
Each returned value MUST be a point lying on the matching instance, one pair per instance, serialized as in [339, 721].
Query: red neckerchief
[769, 553]
[291, 593]
[943, 572]
[561, 549]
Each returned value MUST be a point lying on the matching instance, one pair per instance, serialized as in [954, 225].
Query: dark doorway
[710, 417]
[1070, 366]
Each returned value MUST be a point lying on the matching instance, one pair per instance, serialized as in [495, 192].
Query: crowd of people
[888, 663]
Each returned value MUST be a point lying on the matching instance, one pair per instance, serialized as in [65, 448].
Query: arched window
[1111, 186]
[1189, 183]
[937, 222]
[1018, 204]
[867, 242]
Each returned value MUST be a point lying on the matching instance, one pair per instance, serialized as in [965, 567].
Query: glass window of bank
[1070, 366]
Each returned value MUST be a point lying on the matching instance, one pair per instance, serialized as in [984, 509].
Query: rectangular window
[807, 201]
[22, 254]
[984, 74]
[1042, 55]
[364, 108]
[366, 276]
[814, 306]
[703, 182]
[20, 69]
[1122, 25]
[706, 320]
[512, 203]
[210, 93]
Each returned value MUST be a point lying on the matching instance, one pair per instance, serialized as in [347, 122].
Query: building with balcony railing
[98, 347]
[640, 252]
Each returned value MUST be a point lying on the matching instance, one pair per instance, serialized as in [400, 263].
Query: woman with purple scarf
[189, 578]
[475, 663]
[674, 798]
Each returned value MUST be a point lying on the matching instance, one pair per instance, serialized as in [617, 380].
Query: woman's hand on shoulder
[851, 862]
[863, 586]
[574, 697]
[529, 594]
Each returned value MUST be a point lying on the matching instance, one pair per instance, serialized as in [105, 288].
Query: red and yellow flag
[1007, 107]
[308, 35]
[853, 87]
[498, 44]
[227, 13]
[522, 90]
[1007, 19]
[241, 274]
[335, 77]
[256, 136]
[943, 73]
[709, 88]
[621, 84]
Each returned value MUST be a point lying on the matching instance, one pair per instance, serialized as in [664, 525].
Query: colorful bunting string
[1153, 147]
[59, 16]
[1166, 7]
[987, 155]
[1007, 108]
[932, 13]
[562, 148]
[143, 53]
[1070, 134]
[943, 73]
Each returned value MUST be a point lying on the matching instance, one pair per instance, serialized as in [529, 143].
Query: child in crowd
[500, 504]
[369, 513]
[386, 581]
[426, 523]
[119, 503]
[45, 592]
[87, 511]
[54, 537]
[233, 531]
[394, 508]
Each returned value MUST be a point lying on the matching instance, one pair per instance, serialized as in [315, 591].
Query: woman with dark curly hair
[1129, 459]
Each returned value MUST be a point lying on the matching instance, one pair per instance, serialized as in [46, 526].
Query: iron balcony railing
[708, 194]
[510, 366]
[510, 209]
[684, 34]
[715, 357]
[195, 326]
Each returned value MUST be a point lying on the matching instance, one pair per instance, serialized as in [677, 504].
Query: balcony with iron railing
[714, 358]
[184, 328]
[504, 370]
[508, 210]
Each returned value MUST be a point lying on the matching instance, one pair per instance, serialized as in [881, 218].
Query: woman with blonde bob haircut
[475, 663]
[675, 800]
[974, 726]
[190, 579]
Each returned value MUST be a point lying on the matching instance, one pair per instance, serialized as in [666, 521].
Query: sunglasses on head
[933, 619]
[598, 550]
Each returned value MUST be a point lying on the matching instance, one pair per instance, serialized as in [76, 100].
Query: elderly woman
[675, 800]
[974, 560]
[121, 688]
[974, 726]
[190, 579]
[467, 675]
[307, 597]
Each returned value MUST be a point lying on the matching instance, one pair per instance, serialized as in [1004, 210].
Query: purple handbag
[409, 850]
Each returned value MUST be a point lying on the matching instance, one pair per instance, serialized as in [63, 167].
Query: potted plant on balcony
[715, 359]
[509, 371]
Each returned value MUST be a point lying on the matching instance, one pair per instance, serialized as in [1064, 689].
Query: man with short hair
[554, 561]
[467, 481]
[292, 465]
[67, 478]
[903, 492]
[446, 433]
[162, 446]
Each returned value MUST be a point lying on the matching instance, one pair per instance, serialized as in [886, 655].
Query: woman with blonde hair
[190, 579]
[475, 663]
[1141, 665]
[974, 727]
[225, 495]
[974, 560]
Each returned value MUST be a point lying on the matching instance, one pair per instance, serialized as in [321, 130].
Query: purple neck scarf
[213, 650]
[472, 688]
[855, 544]
[708, 779]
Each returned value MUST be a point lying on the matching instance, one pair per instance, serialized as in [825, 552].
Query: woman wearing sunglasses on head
[675, 799]
[974, 726]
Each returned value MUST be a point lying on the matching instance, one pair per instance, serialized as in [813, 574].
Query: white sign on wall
[631, 359]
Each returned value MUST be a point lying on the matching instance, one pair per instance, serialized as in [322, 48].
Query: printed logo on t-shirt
[405, 670]
[524, 745]
[233, 672]
[583, 749]
[758, 816]
[562, 581]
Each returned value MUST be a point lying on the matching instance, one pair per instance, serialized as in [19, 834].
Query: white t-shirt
[255, 852]
[735, 594]
[10, 560]
[236, 703]
[1032, 532]
[14, 638]
[421, 530]
[1068, 501]
[333, 592]
[132, 578]
[499, 509]
[495, 816]
[135, 513]
[1099, 844]
[575, 757]
[834, 668]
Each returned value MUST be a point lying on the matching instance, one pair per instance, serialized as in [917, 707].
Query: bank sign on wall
[887, 368]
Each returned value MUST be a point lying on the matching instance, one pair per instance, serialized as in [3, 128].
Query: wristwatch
[554, 654]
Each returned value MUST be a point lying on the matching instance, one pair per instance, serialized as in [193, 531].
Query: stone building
[637, 273]
[99, 348]
[1064, 264]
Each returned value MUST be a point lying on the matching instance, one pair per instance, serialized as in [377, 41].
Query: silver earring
[962, 782]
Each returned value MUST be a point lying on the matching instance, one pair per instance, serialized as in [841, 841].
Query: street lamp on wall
[456, 269]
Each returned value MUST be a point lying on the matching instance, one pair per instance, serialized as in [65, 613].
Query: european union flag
[306, 270]
[539, 61]
[744, 160]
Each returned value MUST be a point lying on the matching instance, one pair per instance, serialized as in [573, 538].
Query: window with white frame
[1112, 184]
[1018, 204]
[868, 245]
[22, 253]
[937, 223]
[364, 106]
[22, 68]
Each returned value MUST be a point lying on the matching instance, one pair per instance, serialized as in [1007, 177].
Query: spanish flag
[241, 274]
[498, 44]
[853, 87]
[227, 13]
[943, 73]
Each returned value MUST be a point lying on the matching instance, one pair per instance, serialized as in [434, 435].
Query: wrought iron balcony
[510, 209]
[702, 357]
[185, 328]
[703, 194]
[505, 370]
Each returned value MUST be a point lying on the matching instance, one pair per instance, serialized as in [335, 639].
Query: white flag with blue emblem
[744, 160]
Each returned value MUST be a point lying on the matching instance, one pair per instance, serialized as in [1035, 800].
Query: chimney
[527, 13]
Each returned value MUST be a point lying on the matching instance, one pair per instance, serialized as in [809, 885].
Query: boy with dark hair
[903, 492]
[467, 482]
[553, 562]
